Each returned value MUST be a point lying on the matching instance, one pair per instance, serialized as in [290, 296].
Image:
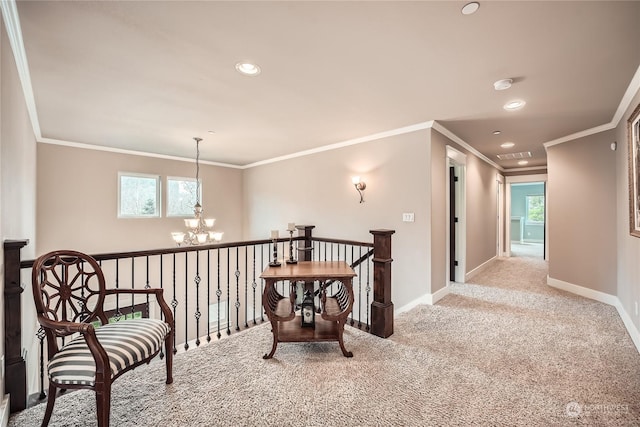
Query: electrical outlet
[408, 217]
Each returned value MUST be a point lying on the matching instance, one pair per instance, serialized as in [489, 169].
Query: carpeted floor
[506, 350]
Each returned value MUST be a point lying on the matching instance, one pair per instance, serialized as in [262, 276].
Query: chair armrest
[63, 328]
[168, 316]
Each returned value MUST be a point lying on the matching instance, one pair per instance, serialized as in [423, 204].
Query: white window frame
[180, 178]
[158, 213]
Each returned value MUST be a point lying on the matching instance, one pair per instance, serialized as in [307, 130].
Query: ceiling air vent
[513, 156]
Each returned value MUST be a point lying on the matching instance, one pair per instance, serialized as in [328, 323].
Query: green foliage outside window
[535, 208]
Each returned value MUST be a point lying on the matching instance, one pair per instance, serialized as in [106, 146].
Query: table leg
[274, 325]
[345, 353]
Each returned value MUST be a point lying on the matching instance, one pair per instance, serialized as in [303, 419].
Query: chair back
[68, 286]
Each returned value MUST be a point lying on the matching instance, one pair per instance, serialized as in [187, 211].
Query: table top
[309, 270]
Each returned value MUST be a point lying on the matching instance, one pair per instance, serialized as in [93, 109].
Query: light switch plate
[408, 217]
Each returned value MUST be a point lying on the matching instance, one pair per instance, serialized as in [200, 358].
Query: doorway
[526, 224]
[456, 210]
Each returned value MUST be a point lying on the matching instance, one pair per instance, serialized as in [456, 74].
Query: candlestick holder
[291, 259]
[275, 262]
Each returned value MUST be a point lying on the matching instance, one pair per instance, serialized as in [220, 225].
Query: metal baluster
[161, 313]
[360, 288]
[228, 293]
[237, 274]
[117, 315]
[197, 315]
[133, 281]
[186, 301]
[262, 280]
[147, 286]
[218, 294]
[246, 286]
[174, 302]
[41, 334]
[254, 285]
[208, 295]
[345, 258]
[368, 289]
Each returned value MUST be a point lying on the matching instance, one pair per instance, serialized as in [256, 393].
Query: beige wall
[481, 209]
[77, 200]
[317, 190]
[17, 169]
[582, 212]
[439, 231]
[628, 247]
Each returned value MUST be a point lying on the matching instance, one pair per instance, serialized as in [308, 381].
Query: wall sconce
[360, 186]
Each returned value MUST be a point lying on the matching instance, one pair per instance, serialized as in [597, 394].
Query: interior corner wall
[581, 211]
[78, 200]
[481, 207]
[317, 190]
[18, 180]
[628, 246]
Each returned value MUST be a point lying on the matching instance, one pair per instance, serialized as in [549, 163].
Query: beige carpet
[506, 350]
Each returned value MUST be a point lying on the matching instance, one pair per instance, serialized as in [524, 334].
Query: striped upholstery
[126, 343]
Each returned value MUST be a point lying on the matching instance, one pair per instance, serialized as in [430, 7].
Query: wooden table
[334, 309]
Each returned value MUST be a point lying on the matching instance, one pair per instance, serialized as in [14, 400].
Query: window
[181, 196]
[138, 195]
[535, 208]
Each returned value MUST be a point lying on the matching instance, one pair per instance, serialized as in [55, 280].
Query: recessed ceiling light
[248, 69]
[496, 132]
[514, 105]
[502, 84]
[523, 162]
[211, 131]
[507, 145]
[470, 8]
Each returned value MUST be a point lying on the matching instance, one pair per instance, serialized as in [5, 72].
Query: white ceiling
[150, 75]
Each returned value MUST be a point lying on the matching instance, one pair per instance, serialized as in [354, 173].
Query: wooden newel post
[305, 247]
[16, 370]
[382, 307]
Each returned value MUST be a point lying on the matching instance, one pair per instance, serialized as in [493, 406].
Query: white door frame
[458, 159]
[523, 179]
[500, 206]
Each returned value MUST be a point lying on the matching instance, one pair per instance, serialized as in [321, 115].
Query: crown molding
[132, 152]
[632, 90]
[355, 141]
[452, 136]
[14, 32]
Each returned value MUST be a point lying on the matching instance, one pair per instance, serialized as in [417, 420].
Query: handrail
[179, 249]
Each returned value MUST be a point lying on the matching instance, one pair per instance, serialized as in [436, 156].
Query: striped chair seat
[126, 342]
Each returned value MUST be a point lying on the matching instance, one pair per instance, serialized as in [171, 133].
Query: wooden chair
[69, 293]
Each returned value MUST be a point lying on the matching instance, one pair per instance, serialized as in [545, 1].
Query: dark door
[453, 220]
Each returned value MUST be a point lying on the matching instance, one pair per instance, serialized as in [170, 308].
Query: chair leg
[168, 341]
[51, 400]
[103, 403]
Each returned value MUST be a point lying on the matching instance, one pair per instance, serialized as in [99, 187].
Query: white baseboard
[4, 411]
[582, 291]
[420, 300]
[628, 323]
[479, 268]
[602, 297]
[437, 295]
[428, 299]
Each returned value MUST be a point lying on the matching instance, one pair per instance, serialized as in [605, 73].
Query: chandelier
[199, 229]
